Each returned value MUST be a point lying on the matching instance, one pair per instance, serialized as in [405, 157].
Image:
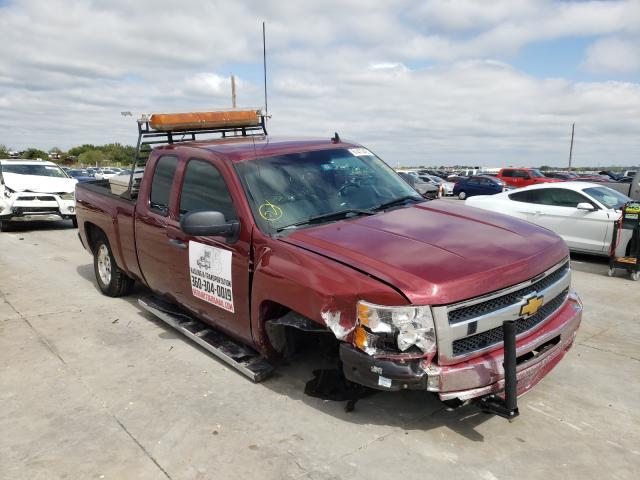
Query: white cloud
[614, 55]
[70, 68]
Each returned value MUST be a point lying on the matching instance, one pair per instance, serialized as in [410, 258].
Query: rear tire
[462, 195]
[112, 281]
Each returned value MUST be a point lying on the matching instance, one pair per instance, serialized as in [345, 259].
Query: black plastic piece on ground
[507, 407]
[331, 384]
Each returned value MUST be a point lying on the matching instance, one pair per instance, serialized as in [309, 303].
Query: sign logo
[532, 306]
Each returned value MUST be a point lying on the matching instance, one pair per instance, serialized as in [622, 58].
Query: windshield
[34, 169]
[291, 189]
[536, 173]
[608, 197]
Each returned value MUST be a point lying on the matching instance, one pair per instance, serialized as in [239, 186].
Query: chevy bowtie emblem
[532, 306]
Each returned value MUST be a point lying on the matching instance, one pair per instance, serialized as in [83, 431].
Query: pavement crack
[4, 298]
[49, 346]
[146, 452]
[41, 338]
[609, 351]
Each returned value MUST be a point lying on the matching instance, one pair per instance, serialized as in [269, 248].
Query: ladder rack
[149, 136]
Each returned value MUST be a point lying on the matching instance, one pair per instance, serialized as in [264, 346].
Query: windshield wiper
[397, 201]
[326, 216]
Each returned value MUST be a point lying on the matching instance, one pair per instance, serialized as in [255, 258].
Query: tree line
[87, 154]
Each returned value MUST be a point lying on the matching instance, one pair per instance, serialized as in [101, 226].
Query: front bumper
[480, 376]
[27, 205]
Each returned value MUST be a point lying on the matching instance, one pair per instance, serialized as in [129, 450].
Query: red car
[523, 177]
[261, 238]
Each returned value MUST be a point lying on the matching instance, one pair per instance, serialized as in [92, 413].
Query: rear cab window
[161, 184]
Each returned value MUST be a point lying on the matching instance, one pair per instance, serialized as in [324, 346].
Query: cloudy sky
[419, 82]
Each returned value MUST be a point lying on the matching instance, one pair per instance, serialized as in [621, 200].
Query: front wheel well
[289, 332]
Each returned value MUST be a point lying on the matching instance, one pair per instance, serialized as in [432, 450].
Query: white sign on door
[210, 270]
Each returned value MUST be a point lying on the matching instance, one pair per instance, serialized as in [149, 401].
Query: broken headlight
[383, 328]
[68, 196]
[8, 192]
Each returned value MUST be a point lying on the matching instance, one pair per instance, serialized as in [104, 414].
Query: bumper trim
[387, 375]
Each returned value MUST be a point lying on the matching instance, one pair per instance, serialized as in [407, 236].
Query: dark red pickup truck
[251, 233]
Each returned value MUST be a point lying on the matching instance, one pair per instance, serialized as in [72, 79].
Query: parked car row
[95, 173]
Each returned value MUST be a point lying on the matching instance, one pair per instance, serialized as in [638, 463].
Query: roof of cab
[238, 149]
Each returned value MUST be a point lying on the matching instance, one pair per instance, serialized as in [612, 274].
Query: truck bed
[98, 209]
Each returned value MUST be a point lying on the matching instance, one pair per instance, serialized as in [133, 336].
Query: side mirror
[585, 206]
[206, 223]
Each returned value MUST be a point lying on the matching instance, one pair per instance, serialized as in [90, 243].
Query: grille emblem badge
[532, 306]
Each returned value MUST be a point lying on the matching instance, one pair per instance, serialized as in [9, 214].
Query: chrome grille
[495, 335]
[495, 304]
[471, 327]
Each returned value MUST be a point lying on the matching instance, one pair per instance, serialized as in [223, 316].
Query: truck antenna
[264, 67]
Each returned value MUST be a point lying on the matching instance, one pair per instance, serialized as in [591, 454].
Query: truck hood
[38, 183]
[438, 252]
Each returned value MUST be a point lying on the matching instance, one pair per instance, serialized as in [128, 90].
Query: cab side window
[520, 174]
[161, 184]
[507, 173]
[204, 188]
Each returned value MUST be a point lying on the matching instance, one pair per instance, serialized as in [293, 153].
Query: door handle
[178, 243]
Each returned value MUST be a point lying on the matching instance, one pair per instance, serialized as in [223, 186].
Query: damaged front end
[390, 347]
[26, 204]
[395, 348]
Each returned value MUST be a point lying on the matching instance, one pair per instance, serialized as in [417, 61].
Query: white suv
[31, 189]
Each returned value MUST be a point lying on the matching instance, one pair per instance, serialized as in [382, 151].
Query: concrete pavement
[93, 387]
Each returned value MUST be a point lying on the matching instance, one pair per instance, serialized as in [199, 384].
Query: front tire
[112, 281]
[4, 226]
[462, 195]
[74, 221]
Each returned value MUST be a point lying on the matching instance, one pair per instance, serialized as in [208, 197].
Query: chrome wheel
[104, 264]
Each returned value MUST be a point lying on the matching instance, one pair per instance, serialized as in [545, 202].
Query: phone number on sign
[210, 287]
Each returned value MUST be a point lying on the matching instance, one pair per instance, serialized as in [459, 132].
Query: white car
[582, 213]
[106, 173]
[34, 189]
